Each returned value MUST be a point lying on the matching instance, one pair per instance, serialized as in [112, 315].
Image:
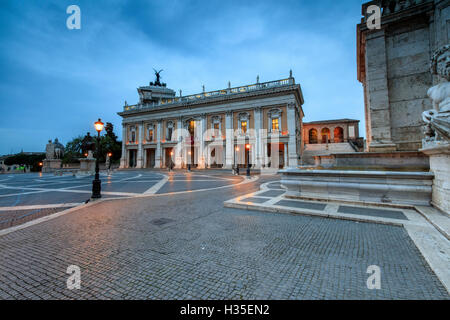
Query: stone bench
[389, 187]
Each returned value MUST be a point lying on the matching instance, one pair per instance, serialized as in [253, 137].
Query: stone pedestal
[440, 165]
[50, 165]
[87, 166]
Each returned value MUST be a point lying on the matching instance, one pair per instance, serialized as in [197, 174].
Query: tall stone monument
[54, 151]
[436, 143]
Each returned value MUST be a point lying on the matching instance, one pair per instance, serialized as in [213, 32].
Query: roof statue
[158, 77]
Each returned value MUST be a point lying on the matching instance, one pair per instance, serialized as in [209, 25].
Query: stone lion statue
[437, 120]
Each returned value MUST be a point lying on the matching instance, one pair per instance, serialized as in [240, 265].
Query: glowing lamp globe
[99, 125]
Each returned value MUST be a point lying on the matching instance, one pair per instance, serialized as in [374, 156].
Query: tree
[109, 127]
[73, 151]
[108, 143]
[32, 160]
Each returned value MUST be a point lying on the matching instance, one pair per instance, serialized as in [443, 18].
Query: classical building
[393, 66]
[330, 131]
[258, 124]
[323, 138]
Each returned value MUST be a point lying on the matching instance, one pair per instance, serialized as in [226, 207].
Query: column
[158, 146]
[265, 157]
[177, 151]
[123, 158]
[285, 153]
[201, 130]
[292, 128]
[139, 160]
[258, 137]
[229, 140]
[378, 93]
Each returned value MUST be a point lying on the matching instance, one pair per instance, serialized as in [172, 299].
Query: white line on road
[39, 206]
[155, 188]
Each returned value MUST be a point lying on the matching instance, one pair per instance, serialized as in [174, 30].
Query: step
[386, 187]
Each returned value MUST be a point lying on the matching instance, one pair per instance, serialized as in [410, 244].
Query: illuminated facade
[259, 124]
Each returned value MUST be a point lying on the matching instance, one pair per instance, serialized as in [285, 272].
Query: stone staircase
[383, 187]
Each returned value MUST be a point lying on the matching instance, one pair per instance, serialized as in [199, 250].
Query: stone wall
[393, 66]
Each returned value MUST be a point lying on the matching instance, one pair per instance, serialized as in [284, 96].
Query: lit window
[244, 126]
[275, 125]
[150, 135]
[216, 129]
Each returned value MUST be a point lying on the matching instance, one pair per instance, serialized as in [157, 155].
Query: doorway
[150, 158]
[132, 158]
[168, 157]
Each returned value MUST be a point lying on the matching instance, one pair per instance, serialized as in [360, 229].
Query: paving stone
[384, 213]
[301, 204]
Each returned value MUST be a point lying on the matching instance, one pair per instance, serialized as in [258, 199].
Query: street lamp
[247, 146]
[170, 163]
[97, 184]
[189, 161]
[236, 167]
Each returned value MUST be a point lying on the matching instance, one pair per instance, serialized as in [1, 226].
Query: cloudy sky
[55, 82]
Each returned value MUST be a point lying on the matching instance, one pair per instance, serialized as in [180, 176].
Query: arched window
[325, 135]
[243, 122]
[151, 132]
[274, 117]
[215, 126]
[132, 137]
[312, 135]
[169, 131]
[338, 135]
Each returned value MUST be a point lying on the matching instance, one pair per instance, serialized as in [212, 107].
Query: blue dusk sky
[55, 82]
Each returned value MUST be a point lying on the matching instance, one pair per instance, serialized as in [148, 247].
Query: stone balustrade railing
[212, 94]
[391, 6]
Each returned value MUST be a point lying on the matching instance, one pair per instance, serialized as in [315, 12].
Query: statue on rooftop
[158, 77]
[437, 120]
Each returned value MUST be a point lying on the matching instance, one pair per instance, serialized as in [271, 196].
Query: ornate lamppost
[170, 162]
[236, 166]
[96, 183]
[189, 160]
[247, 146]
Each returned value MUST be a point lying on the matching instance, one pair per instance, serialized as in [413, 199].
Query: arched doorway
[312, 136]
[325, 135]
[338, 135]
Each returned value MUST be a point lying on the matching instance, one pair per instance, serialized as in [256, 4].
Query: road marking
[58, 214]
[73, 191]
[124, 179]
[155, 188]
[39, 206]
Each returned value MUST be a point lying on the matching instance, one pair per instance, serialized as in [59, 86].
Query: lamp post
[189, 161]
[247, 146]
[170, 162]
[236, 167]
[96, 183]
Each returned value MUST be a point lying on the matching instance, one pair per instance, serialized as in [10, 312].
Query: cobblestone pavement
[25, 197]
[188, 246]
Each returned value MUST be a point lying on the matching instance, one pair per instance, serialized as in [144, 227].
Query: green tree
[32, 160]
[73, 151]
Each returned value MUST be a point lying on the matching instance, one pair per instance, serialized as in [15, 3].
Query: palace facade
[258, 124]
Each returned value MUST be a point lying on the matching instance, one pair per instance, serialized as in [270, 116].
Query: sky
[56, 82]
